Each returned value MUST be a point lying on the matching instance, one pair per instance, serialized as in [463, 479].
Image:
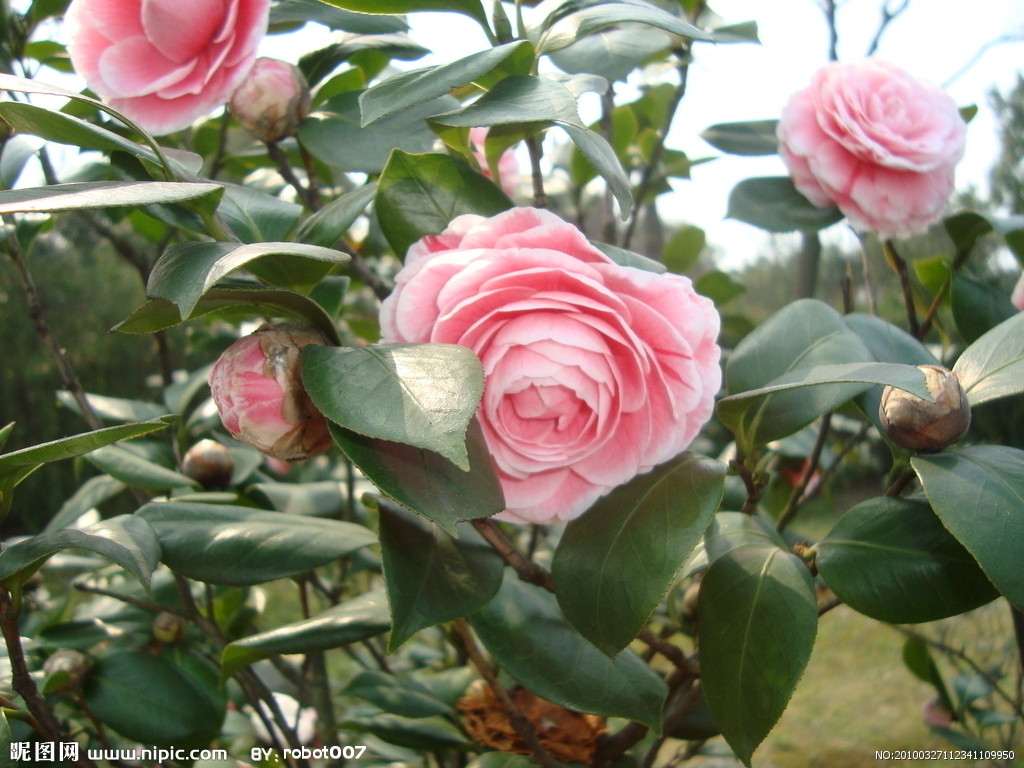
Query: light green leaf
[104, 194]
[566, 29]
[993, 366]
[471, 8]
[518, 100]
[749, 138]
[655, 519]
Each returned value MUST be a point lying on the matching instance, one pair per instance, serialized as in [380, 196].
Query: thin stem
[527, 571]
[516, 718]
[145, 605]
[908, 294]
[829, 9]
[888, 16]
[739, 465]
[310, 196]
[536, 150]
[666, 649]
[609, 228]
[796, 498]
[901, 482]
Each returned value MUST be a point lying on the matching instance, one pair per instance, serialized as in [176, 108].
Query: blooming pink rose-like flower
[594, 372]
[1017, 297]
[164, 63]
[258, 391]
[272, 101]
[508, 166]
[869, 138]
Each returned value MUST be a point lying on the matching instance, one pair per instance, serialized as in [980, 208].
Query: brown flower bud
[74, 663]
[168, 627]
[210, 464]
[272, 101]
[913, 423]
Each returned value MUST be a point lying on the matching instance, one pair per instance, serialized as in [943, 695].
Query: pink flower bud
[508, 166]
[272, 101]
[258, 390]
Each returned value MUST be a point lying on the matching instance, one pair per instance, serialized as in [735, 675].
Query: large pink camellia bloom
[594, 372]
[877, 143]
[164, 63]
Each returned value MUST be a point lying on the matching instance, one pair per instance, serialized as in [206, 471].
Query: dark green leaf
[727, 531]
[978, 493]
[114, 408]
[422, 395]
[718, 286]
[965, 229]
[242, 301]
[188, 270]
[135, 471]
[334, 136]
[993, 366]
[891, 559]
[408, 89]
[430, 576]
[773, 204]
[683, 249]
[240, 546]
[419, 195]
[526, 633]
[103, 194]
[471, 8]
[655, 519]
[518, 100]
[402, 696]
[749, 138]
[357, 619]
[332, 221]
[168, 700]
[427, 734]
[977, 307]
[758, 619]
[599, 152]
[319, 64]
[426, 482]
[93, 492]
[568, 28]
[257, 217]
[125, 540]
[299, 12]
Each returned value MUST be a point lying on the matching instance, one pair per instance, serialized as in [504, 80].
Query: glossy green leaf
[892, 559]
[187, 270]
[299, 12]
[103, 194]
[419, 195]
[422, 395]
[90, 495]
[240, 546]
[430, 576]
[334, 136]
[167, 699]
[977, 307]
[125, 540]
[600, 154]
[978, 493]
[422, 734]
[726, 532]
[758, 620]
[136, 471]
[471, 8]
[804, 334]
[401, 695]
[993, 366]
[772, 203]
[257, 217]
[114, 408]
[242, 301]
[425, 481]
[568, 28]
[612, 52]
[526, 633]
[748, 138]
[965, 229]
[516, 100]
[655, 519]
[319, 64]
[408, 89]
[357, 619]
[331, 222]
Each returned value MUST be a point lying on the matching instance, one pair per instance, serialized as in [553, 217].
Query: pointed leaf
[749, 138]
[978, 493]
[422, 395]
[774, 204]
[892, 559]
[655, 519]
[240, 546]
[331, 222]
[568, 28]
[103, 194]
[425, 481]
[90, 495]
[125, 540]
[471, 8]
[186, 271]
[430, 576]
[993, 366]
[135, 471]
[419, 195]
[600, 154]
[526, 633]
[402, 696]
[517, 100]
[757, 624]
[408, 89]
[357, 619]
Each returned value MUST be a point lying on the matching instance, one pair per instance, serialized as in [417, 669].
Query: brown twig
[527, 571]
[908, 293]
[145, 605]
[796, 498]
[900, 482]
[515, 717]
[739, 466]
[666, 649]
[309, 195]
[888, 16]
[536, 151]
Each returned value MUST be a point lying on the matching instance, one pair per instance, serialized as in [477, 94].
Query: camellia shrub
[471, 476]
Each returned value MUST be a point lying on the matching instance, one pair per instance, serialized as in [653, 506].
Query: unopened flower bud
[168, 627]
[210, 464]
[936, 714]
[272, 101]
[257, 387]
[74, 663]
[913, 423]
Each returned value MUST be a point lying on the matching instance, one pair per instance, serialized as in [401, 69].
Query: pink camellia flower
[508, 166]
[164, 63]
[877, 143]
[1017, 297]
[272, 101]
[258, 391]
[594, 372]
